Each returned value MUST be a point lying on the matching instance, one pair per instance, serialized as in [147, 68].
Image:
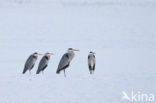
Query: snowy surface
[122, 33]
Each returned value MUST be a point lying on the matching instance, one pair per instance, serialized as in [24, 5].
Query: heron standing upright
[30, 62]
[44, 62]
[91, 62]
[65, 60]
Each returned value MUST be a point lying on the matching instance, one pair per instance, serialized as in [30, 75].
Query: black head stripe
[35, 53]
[70, 49]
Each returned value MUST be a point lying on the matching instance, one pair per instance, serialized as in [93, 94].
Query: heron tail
[91, 71]
[58, 72]
[38, 71]
[24, 71]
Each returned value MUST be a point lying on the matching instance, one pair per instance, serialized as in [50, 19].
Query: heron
[30, 62]
[44, 62]
[91, 62]
[65, 60]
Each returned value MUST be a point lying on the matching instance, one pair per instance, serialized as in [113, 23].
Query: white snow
[122, 33]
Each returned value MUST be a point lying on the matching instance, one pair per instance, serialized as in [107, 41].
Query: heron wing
[29, 63]
[42, 64]
[64, 62]
[94, 59]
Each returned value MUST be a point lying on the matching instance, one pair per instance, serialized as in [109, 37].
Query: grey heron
[65, 60]
[44, 62]
[91, 62]
[30, 62]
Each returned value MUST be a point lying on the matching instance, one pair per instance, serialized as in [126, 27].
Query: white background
[121, 32]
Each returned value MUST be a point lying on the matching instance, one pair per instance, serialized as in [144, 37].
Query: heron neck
[35, 56]
[47, 57]
[71, 55]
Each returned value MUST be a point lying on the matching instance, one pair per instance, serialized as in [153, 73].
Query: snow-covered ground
[122, 33]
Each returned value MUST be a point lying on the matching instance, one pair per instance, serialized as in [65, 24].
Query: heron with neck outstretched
[44, 62]
[65, 60]
[91, 62]
[30, 62]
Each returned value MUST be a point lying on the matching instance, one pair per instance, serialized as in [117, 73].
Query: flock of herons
[64, 62]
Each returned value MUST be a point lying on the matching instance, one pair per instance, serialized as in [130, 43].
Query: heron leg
[64, 73]
[42, 72]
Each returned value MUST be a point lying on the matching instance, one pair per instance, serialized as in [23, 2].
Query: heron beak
[40, 54]
[94, 53]
[76, 50]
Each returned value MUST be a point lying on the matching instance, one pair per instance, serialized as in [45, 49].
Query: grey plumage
[30, 62]
[65, 60]
[91, 62]
[44, 62]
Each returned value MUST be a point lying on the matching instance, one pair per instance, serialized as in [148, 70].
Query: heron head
[36, 54]
[49, 54]
[71, 49]
[92, 52]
